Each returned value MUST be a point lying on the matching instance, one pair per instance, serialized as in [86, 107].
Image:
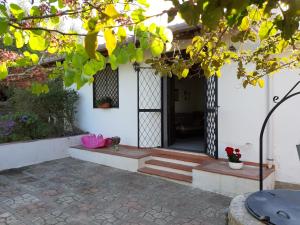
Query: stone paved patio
[74, 192]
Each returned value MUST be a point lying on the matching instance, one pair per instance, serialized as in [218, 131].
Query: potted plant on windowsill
[234, 157]
[104, 103]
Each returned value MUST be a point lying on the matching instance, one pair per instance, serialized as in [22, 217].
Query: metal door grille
[211, 119]
[106, 84]
[149, 108]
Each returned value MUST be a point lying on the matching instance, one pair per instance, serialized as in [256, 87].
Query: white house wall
[241, 114]
[287, 129]
[120, 121]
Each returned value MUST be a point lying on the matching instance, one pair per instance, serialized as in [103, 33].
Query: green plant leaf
[35, 11]
[157, 47]
[110, 40]
[34, 58]
[267, 28]
[37, 43]
[3, 71]
[3, 26]
[139, 55]
[91, 43]
[19, 39]
[16, 11]
[7, 39]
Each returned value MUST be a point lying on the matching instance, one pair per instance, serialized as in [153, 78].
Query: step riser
[169, 169]
[175, 161]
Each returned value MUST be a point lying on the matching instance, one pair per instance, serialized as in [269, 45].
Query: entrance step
[166, 174]
[194, 158]
[170, 165]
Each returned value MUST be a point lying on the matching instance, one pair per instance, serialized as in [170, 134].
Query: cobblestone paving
[74, 192]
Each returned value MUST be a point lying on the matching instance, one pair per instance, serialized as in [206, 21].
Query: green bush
[20, 127]
[49, 115]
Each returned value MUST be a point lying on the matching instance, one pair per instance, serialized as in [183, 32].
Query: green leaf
[7, 39]
[61, 4]
[138, 15]
[157, 47]
[37, 88]
[212, 16]
[34, 58]
[3, 26]
[121, 33]
[152, 28]
[111, 11]
[3, 11]
[122, 57]
[190, 12]
[113, 62]
[139, 55]
[17, 11]
[267, 28]
[110, 40]
[3, 71]
[37, 43]
[35, 11]
[171, 14]
[89, 68]
[19, 39]
[91, 43]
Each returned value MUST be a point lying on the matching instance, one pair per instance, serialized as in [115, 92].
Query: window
[106, 85]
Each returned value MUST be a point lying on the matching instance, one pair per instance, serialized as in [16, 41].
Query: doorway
[186, 113]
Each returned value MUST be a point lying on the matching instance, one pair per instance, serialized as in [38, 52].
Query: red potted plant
[234, 156]
[104, 103]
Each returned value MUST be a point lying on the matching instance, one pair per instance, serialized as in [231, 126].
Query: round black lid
[279, 207]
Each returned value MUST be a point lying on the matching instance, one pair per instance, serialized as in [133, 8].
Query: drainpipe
[270, 127]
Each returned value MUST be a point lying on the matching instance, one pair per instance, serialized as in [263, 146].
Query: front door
[149, 108]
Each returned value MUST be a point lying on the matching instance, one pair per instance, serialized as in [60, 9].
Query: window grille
[106, 84]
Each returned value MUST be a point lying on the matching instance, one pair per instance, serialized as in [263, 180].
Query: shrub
[47, 115]
[19, 127]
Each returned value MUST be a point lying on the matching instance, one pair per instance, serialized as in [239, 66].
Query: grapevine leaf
[16, 11]
[91, 43]
[110, 40]
[3, 71]
[19, 39]
[157, 47]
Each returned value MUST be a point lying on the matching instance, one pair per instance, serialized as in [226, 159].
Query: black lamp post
[275, 99]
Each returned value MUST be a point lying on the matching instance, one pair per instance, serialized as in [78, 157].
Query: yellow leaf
[91, 43]
[261, 82]
[244, 24]
[111, 11]
[110, 40]
[185, 72]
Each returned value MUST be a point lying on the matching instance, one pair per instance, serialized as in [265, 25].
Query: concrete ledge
[104, 158]
[228, 184]
[15, 155]
[238, 214]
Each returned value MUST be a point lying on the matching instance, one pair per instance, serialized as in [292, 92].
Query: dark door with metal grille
[211, 117]
[149, 108]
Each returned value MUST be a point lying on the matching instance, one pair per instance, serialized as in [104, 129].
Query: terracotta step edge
[170, 165]
[166, 174]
